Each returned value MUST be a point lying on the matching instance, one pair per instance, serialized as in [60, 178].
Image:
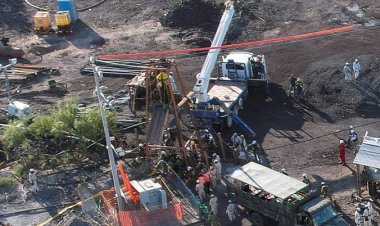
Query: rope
[244, 44]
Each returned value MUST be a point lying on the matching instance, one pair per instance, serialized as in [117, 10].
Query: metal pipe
[120, 202]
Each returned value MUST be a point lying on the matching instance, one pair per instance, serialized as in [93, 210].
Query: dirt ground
[301, 138]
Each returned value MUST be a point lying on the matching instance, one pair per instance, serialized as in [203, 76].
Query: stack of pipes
[117, 67]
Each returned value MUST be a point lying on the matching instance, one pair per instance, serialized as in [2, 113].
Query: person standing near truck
[325, 191]
[306, 181]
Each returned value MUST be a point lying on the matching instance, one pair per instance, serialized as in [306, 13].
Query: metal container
[69, 5]
[62, 18]
[42, 20]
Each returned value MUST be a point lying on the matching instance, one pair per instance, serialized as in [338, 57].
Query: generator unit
[42, 22]
[152, 195]
[63, 22]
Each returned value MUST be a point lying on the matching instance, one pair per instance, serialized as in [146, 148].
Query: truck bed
[227, 91]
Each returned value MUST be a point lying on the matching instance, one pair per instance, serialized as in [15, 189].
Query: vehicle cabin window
[236, 66]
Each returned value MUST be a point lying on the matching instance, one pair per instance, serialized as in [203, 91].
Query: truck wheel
[229, 122]
[256, 219]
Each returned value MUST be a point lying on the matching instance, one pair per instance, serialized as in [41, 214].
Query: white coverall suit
[214, 205]
[200, 188]
[213, 178]
[370, 210]
[358, 218]
[231, 209]
[366, 217]
[356, 67]
[33, 181]
[218, 171]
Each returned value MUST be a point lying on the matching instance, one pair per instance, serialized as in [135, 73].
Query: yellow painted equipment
[42, 21]
[63, 22]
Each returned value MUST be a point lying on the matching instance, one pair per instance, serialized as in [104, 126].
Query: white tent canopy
[369, 152]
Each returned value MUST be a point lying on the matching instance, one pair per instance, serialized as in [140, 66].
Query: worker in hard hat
[356, 68]
[213, 177]
[347, 72]
[353, 138]
[218, 170]
[32, 178]
[200, 189]
[358, 217]
[325, 191]
[162, 86]
[236, 141]
[342, 153]
[231, 211]
[299, 89]
[283, 171]
[370, 210]
[214, 204]
[292, 85]
[306, 180]
[254, 148]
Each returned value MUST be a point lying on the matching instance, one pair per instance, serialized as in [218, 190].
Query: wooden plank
[227, 92]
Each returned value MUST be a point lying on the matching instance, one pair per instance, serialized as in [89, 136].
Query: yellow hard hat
[298, 79]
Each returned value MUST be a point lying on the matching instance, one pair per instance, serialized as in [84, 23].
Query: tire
[228, 122]
[256, 219]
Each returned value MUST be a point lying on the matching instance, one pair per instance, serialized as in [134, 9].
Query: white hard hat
[347, 63]
[170, 73]
[212, 195]
[214, 154]
[216, 161]
[322, 183]
[351, 127]
[206, 130]
[229, 201]
[366, 206]
[188, 148]
[283, 170]
[32, 171]
[163, 153]
[356, 60]
[141, 145]
[352, 131]
[304, 175]
[189, 168]
[198, 181]
[358, 209]
[254, 142]
[235, 134]
[341, 141]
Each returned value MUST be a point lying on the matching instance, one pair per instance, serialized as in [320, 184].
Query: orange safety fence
[109, 204]
[173, 213]
[245, 44]
[132, 192]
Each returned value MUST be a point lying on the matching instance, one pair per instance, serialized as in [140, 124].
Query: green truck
[270, 196]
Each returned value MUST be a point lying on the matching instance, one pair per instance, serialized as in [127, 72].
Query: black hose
[79, 10]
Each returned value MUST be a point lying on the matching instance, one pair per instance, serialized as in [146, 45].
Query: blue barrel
[69, 5]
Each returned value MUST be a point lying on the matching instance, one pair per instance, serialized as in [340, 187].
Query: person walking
[200, 189]
[347, 72]
[214, 204]
[356, 68]
[325, 191]
[358, 217]
[342, 153]
[299, 89]
[231, 211]
[306, 180]
[292, 85]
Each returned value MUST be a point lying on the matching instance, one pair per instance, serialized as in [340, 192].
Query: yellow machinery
[42, 22]
[63, 22]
